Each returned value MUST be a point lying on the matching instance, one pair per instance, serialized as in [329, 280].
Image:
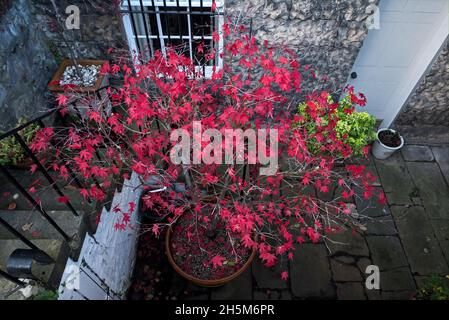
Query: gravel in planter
[81, 76]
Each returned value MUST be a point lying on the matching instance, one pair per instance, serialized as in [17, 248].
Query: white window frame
[132, 40]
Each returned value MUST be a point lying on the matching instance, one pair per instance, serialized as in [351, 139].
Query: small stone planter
[91, 93]
[383, 151]
[101, 81]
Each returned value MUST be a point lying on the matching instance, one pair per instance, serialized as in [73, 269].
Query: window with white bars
[184, 25]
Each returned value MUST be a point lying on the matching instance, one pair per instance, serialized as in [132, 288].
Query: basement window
[184, 25]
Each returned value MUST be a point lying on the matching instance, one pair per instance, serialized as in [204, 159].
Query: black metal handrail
[25, 125]
[24, 189]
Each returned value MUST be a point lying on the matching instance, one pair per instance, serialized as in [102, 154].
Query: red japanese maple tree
[258, 87]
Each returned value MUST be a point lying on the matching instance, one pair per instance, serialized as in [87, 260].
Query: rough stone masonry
[26, 65]
[327, 34]
[426, 113]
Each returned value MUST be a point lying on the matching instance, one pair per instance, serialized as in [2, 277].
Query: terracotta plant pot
[54, 87]
[202, 282]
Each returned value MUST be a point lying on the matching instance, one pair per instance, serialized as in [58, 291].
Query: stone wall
[32, 46]
[100, 28]
[26, 65]
[327, 34]
[426, 112]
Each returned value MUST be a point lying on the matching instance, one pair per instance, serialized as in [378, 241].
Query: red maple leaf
[209, 178]
[63, 199]
[126, 218]
[155, 230]
[247, 241]
[382, 199]
[268, 258]
[85, 155]
[217, 261]
[84, 193]
[33, 168]
[62, 100]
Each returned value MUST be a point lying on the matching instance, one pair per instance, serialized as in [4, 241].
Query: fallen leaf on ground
[27, 226]
[12, 206]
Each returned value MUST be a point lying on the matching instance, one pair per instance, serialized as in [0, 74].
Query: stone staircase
[20, 214]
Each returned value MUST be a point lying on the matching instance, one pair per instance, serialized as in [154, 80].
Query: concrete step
[44, 192]
[34, 226]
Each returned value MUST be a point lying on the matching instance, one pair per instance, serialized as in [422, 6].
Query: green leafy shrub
[435, 288]
[11, 153]
[354, 128]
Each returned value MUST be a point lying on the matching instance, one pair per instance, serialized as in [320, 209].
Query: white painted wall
[106, 263]
[395, 57]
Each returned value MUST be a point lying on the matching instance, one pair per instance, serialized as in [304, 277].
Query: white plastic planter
[381, 151]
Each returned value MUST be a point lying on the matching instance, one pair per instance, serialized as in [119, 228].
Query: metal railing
[36, 204]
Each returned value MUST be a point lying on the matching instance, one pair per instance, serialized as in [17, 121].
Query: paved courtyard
[408, 240]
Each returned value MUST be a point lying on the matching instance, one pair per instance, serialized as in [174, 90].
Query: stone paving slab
[350, 291]
[239, 289]
[344, 272]
[380, 226]
[349, 243]
[398, 295]
[442, 158]
[417, 153]
[400, 279]
[272, 295]
[417, 235]
[441, 228]
[371, 207]
[362, 263]
[310, 275]
[432, 188]
[268, 278]
[395, 179]
[387, 252]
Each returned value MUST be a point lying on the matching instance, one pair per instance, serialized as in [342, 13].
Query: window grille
[183, 25]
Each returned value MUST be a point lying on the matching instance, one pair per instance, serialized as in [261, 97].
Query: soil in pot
[194, 245]
[390, 138]
[154, 278]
